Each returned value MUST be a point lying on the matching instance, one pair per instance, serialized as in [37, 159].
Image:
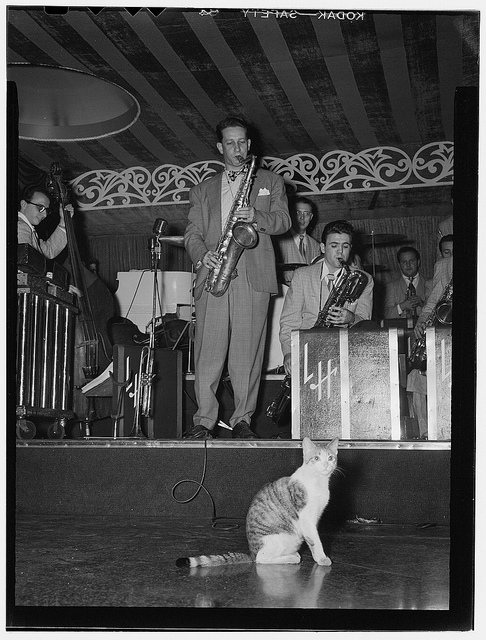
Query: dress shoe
[242, 431]
[198, 432]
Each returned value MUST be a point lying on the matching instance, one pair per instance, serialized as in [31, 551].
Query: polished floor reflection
[120, 562]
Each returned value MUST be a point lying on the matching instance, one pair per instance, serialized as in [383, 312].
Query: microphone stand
[143, 398]
[188, 327]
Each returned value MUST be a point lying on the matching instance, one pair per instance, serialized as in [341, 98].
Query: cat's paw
[324, 562]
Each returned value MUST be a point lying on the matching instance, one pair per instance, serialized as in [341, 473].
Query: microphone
[160, 227]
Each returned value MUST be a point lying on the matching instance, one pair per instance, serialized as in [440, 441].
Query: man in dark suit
[405, 296]
[232, 326]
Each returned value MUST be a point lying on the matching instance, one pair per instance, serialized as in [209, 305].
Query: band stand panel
[316, 384]
[345, 384]
[439, 382]
[166, 419]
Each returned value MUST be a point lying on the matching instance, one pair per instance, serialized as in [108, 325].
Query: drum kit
[378, 238]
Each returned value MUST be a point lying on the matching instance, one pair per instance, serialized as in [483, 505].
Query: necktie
[411, 288]
[411, 291]
[232, 175]
[302, 246]
[36, 240]
[330, 281]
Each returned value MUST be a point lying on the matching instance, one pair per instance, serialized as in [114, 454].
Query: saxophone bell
[444, 313]
[441, 313]
[237, 236]
[348, 287]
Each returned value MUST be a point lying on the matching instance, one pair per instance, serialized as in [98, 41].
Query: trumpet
[143, 394]
[280, 405]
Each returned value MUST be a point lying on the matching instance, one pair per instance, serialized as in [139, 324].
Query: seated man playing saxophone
[311, 287]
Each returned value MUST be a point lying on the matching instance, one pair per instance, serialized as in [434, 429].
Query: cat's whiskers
[284, 513]
[339, 470]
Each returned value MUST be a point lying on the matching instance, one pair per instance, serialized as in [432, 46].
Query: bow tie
[232, 175]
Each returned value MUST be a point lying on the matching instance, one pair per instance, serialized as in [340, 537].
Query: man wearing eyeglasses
[296, 246]
[34, 207]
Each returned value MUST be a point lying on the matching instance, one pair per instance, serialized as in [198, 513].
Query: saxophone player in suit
[311, 286]
[232, 327]
[443, 269]
[417, 379]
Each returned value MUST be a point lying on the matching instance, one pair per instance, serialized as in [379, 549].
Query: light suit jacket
[204, 228]
[442, 277]
[396, 291]
[304, 300]
[50, 248]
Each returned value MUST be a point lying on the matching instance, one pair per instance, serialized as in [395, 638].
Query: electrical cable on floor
[217, 522]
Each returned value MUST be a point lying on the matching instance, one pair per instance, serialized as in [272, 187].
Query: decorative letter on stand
[347, 383]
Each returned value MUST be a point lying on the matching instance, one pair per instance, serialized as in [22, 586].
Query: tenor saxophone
[442, 313]
[349, 286]
[236, 237]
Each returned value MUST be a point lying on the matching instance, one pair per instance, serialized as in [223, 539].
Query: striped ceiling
[311, 81]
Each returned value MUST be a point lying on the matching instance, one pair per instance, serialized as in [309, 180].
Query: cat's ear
[333, 446]
[309, 448]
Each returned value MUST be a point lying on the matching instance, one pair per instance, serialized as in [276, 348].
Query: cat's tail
[214, 560]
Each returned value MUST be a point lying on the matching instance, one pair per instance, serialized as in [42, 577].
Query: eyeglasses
[41, 207]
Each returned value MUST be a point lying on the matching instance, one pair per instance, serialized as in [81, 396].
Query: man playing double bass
[33, 208]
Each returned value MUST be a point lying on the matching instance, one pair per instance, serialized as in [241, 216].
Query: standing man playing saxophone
[232, 327]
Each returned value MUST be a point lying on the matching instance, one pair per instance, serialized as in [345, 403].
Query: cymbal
[381, 238]
[378, 267]
[291, 266]
[176, 241]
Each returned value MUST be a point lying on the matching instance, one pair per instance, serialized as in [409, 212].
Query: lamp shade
[57, 103]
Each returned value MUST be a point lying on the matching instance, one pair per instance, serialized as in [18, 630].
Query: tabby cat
[284, 513]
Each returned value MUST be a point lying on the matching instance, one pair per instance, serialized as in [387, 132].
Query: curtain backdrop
[123, 253]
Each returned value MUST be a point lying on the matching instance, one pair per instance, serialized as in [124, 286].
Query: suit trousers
[234, 325]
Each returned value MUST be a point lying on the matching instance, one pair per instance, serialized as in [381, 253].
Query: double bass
[93, 350]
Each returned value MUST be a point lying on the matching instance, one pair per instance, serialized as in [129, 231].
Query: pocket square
[264, 192]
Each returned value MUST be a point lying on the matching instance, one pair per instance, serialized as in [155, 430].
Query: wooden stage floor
[69, 561]
[96, 535]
